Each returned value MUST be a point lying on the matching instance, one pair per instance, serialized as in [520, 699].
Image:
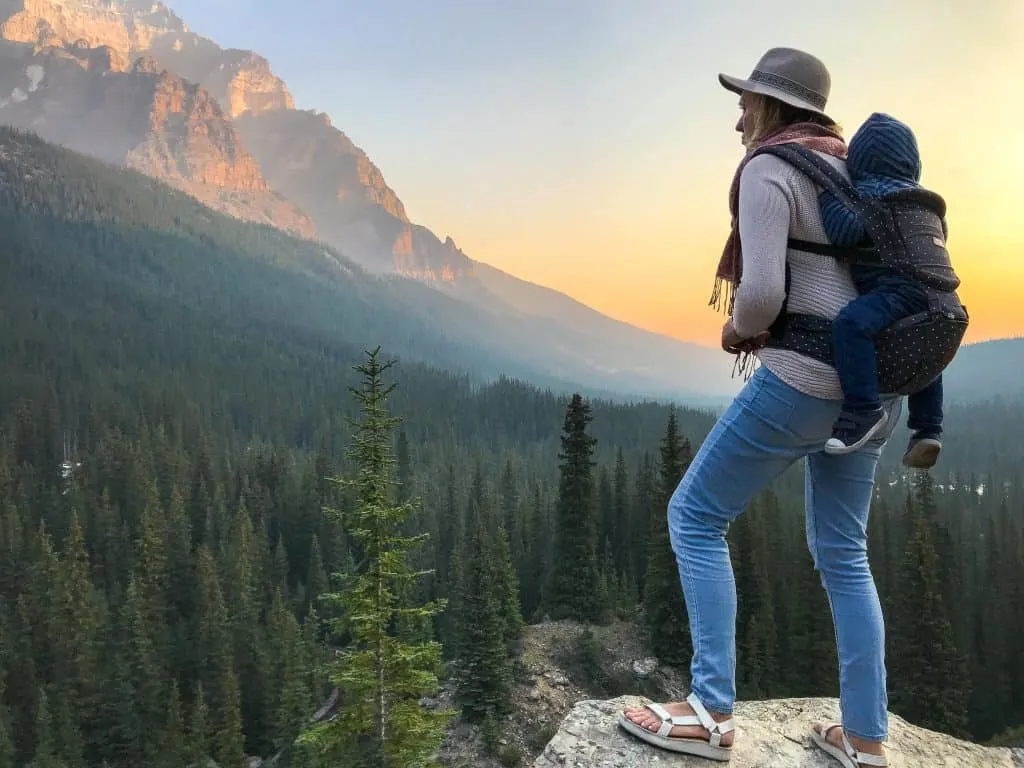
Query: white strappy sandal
[847, 756]
[711, 749]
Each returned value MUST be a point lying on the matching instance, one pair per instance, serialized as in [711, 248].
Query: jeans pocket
[770, 399]
[806, 419]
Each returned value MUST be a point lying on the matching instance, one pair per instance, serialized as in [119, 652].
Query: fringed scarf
[730, 266]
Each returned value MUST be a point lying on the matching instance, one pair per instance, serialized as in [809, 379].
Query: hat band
[789, 86]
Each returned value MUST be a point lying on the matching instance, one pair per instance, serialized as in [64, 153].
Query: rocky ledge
[769, 733]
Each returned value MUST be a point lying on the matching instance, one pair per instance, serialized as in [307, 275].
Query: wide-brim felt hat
[789, 75]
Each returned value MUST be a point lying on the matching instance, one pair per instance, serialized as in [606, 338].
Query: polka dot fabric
[908, 236]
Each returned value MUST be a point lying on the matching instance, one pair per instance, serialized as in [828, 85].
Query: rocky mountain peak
[254, 143]
[126, 26]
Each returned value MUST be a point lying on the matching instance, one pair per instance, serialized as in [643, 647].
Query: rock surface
[770, 734]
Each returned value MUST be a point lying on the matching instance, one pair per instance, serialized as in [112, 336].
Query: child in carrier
[882, 158]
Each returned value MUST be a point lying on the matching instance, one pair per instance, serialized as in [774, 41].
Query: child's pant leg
[925, 409]
[853, 333]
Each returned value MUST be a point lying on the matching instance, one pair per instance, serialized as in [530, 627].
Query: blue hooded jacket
[882, 157]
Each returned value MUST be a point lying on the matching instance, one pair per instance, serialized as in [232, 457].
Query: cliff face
[241, 81]
[188, 139]
[769, 733]
[147, 119]
[128, 27]
[298, 161]
[316, 165]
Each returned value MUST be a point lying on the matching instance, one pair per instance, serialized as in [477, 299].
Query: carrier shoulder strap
[821, 172]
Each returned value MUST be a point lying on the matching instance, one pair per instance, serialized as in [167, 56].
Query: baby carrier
[906, 235]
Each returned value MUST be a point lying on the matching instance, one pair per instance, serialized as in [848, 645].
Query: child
[882, 158]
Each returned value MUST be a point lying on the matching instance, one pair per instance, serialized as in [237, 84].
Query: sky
[587, 146]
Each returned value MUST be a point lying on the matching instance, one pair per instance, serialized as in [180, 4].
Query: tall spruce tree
[380, 722]
[664, 605]
[640, 520]
[574, 589]
[483, 667]
[757, 671]
[620, 514]
[929, 677]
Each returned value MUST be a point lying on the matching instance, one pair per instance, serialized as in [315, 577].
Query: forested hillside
[173, 405]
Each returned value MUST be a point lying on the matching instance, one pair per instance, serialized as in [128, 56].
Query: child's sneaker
[853, 429]
[922, 450]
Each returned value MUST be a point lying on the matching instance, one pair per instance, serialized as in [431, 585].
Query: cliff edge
[769, 733]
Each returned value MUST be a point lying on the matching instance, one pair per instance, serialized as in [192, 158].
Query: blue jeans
[853, 333]
[768, 427]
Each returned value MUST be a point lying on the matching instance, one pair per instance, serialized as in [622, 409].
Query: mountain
[142, 117]
[93, 253]
[318, 167]
[129, 83]
[985, 370]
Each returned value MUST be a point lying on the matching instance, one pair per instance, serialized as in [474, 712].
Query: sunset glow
[587, 146]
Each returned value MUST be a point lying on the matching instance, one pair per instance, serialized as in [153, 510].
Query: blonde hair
[768, 114]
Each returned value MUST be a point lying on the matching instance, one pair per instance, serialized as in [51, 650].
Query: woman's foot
[834, 736]
[646, 719]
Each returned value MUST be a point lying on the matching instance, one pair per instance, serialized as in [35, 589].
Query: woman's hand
[733, 343]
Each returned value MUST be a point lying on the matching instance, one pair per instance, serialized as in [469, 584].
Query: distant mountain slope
[87, 241]
[127, 81]
[985, 370]
[612, 344]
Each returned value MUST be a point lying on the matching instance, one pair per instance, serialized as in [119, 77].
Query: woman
[784, 413]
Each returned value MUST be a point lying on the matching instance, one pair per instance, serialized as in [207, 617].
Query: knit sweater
[777, 202]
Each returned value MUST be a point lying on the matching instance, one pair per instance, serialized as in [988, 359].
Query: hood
[884, 146]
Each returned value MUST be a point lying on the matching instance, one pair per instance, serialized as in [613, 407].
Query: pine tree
[140, 653]
[506, 587]
[929, 677]
[644, 506]
[484, 669]
[380, 722]
[664, 604]
[316, 579]
[8, 754]
[291, 698]
[217, 672]
[179, 564]
[448, 528]
[78, 651]
[510, 518]
[241, 586]
[605, 515]
[122, 742]
[535, 562]
[574, 589]
[172, 741]
[620, 513]
[756, 637]
[197, 747]
[47, 754]
[404, 490]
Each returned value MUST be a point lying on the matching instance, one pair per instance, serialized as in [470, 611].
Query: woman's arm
[764, 212]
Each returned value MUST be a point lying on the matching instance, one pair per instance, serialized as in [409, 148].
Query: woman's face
[745, 124]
